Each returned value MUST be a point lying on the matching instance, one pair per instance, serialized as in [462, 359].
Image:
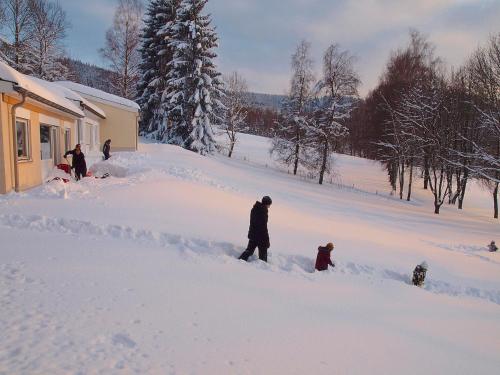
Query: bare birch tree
[122, 45]
[49, 30]
[337, 93]
[17, 26]
[484, 160]
[235, 103]
[289, 140]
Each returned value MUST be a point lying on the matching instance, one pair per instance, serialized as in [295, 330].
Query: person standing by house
[323, 259]
[258, 235]
[78, 162]
[106, 149]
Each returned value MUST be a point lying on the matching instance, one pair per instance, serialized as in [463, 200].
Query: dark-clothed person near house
[106, 149]
[78, 162]
[258, 236]
[323, 259]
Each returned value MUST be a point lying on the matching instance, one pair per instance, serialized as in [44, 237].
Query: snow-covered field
[139, 275]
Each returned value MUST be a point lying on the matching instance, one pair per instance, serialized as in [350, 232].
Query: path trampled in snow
[216, 250]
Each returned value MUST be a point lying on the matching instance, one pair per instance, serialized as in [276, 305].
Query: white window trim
[50, 140]
[48, 120]
[28, 158]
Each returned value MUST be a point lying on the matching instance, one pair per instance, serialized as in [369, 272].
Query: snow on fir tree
[194, 84]
[156, 55]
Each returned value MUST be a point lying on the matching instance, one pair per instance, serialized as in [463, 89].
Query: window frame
[27, 127]
[51, 156]
[67, 139]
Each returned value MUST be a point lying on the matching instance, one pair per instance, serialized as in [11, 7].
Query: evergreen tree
[194, 89]
[156, 55]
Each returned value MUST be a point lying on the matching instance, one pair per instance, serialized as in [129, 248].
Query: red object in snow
[65, 180]
[64, 167]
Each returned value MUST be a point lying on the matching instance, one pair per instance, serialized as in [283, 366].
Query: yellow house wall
[5, 149]
[30, 171]
[120, 125]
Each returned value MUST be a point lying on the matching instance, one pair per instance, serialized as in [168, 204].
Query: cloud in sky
[257, 37]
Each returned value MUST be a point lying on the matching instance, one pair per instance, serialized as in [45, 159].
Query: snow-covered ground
[139, 275]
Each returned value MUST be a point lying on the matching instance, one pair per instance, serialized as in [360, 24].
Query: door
[49, 148]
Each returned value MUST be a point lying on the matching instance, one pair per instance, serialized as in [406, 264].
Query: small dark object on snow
[258, 234]
[492, 247]
[323, 259]
[65, 180]
[419, 274]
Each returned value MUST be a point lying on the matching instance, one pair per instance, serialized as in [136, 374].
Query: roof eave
[40, 99]
[91, 110]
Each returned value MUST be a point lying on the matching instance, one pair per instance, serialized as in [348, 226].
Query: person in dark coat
[258, 236]
[323, 259]
[419, 274]
[78, 162]
[106, 149]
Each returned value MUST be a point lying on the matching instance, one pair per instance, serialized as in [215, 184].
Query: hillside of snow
[139, 274]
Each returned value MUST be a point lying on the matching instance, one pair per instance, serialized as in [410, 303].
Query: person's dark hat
[267, 201]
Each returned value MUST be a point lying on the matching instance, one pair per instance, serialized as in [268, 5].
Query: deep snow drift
[138, 274]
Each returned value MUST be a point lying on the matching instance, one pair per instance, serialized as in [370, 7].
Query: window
[45, 144]
[22, 130]
[67, 140]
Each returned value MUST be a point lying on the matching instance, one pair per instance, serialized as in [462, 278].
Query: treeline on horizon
[423, 119]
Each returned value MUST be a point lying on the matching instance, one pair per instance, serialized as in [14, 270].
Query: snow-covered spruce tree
[49, 30]
[156, 56]
[236, 108]
[337, 93]
[289, 139]
[194, 86]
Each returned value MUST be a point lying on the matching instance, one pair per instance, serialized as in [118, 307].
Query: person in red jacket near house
[323, 259]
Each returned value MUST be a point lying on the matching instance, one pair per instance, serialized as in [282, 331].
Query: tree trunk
[495, 201]
[231, 148]
[401, 178]
[410, 182]
[463, 187]
[323, 164]
[426, 173]
[296, 163]
[449, 182]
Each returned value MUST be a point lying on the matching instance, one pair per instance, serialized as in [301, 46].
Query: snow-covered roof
[39, 90]
[99, 95]
[74, 96]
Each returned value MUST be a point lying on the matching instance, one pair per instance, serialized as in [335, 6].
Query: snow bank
[102, 168]
[135, 274]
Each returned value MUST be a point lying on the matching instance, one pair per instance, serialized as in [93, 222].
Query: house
[49, 118]
[37, 123]
[121, 124]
